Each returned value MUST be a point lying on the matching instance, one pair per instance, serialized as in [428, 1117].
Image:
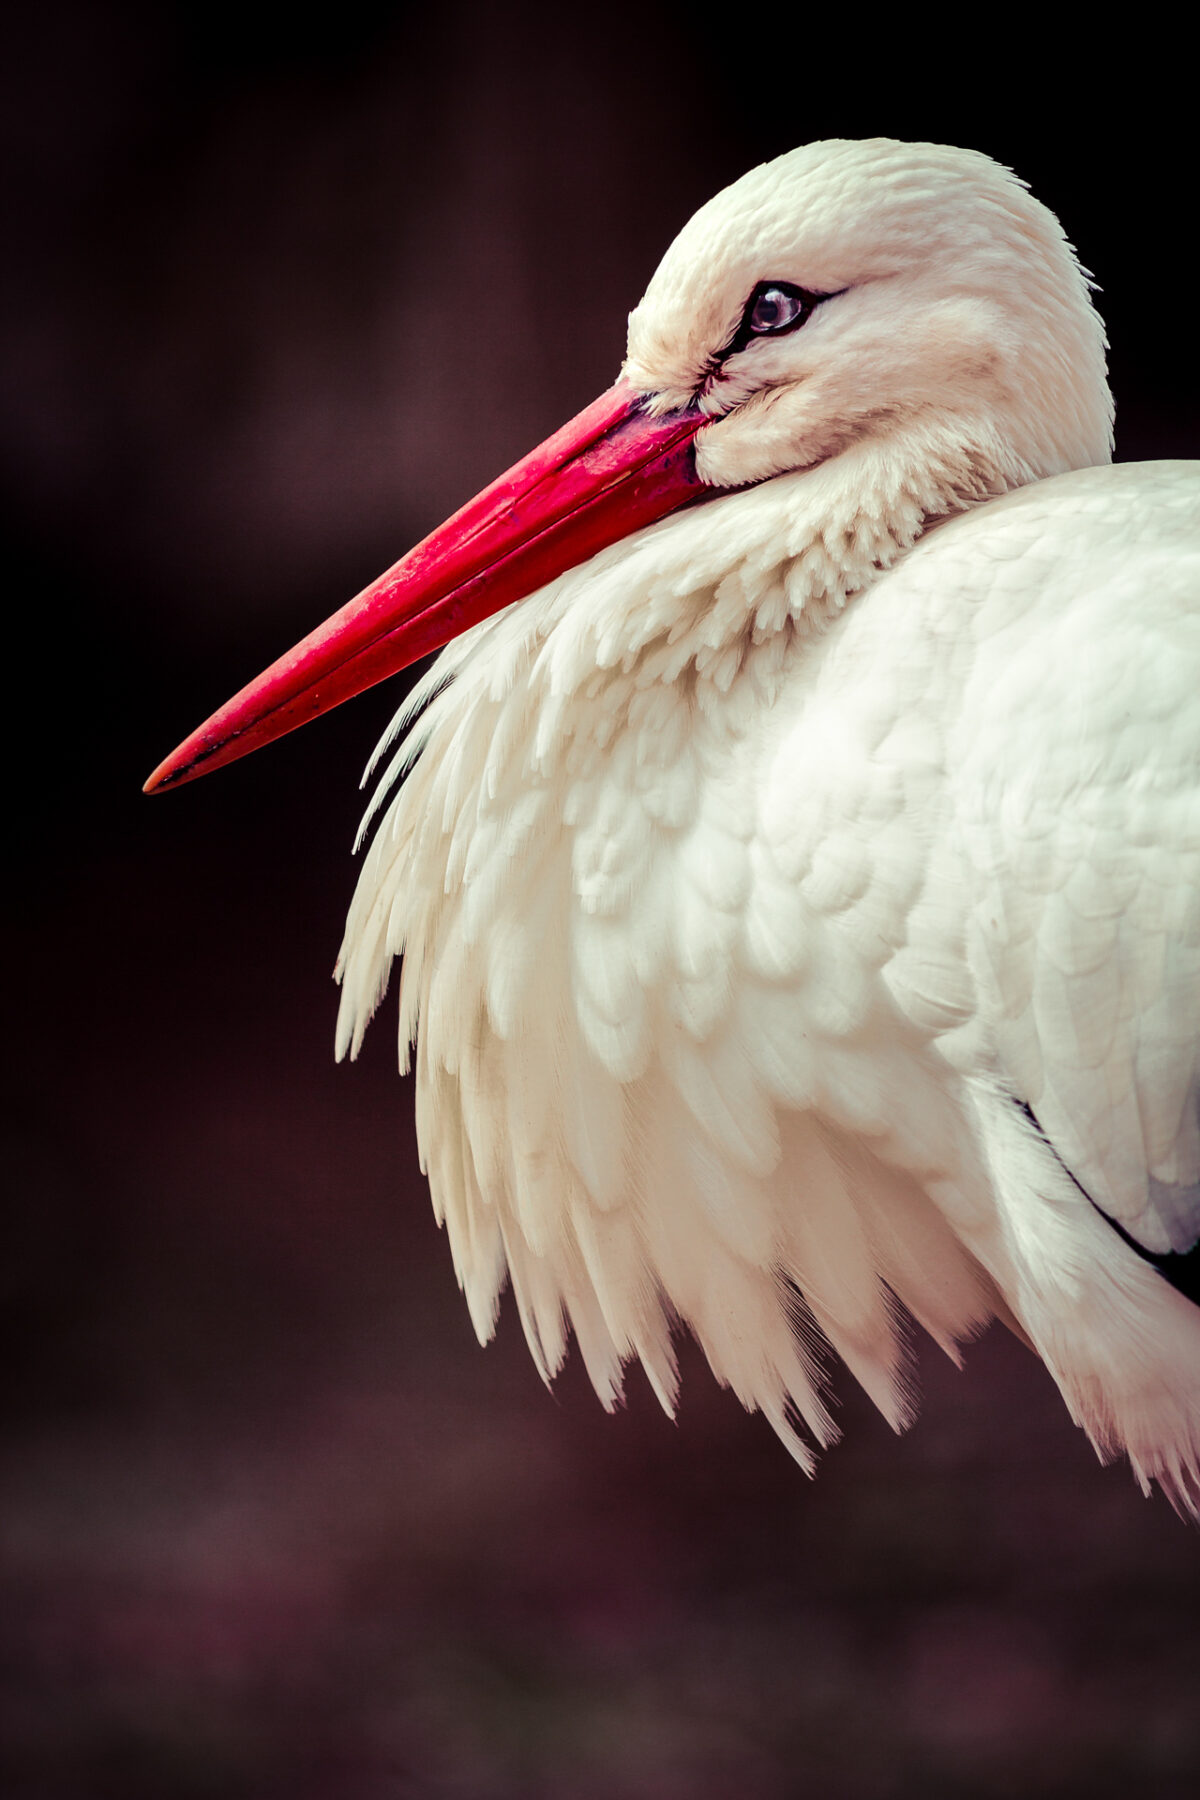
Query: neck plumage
[694, 596]
[718, 592]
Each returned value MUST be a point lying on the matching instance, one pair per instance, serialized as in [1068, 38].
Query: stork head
[909, 296]
[875, 289]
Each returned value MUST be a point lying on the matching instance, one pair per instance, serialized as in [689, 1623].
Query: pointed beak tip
[172, 772]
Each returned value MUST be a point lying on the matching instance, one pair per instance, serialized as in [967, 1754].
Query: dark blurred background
[278, 296]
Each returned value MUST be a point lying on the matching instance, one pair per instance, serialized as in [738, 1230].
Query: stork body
[799, 899]
[728, 962]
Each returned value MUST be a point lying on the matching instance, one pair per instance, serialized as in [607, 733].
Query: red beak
[608, 472]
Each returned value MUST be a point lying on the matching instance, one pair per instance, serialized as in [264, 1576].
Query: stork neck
[755, 570]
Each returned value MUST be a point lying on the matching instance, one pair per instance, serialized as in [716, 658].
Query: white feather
[750, 874]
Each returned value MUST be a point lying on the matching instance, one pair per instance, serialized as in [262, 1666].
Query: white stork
[799, 892]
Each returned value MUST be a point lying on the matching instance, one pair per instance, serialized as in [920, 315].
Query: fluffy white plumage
[800, 901]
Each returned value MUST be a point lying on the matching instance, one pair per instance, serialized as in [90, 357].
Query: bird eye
[774, 306]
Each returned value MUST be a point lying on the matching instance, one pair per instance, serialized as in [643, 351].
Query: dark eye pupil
[773, 309]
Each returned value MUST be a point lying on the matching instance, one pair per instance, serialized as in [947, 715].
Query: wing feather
[1078, 793]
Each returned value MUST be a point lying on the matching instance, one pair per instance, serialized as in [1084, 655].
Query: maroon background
[279, 297]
